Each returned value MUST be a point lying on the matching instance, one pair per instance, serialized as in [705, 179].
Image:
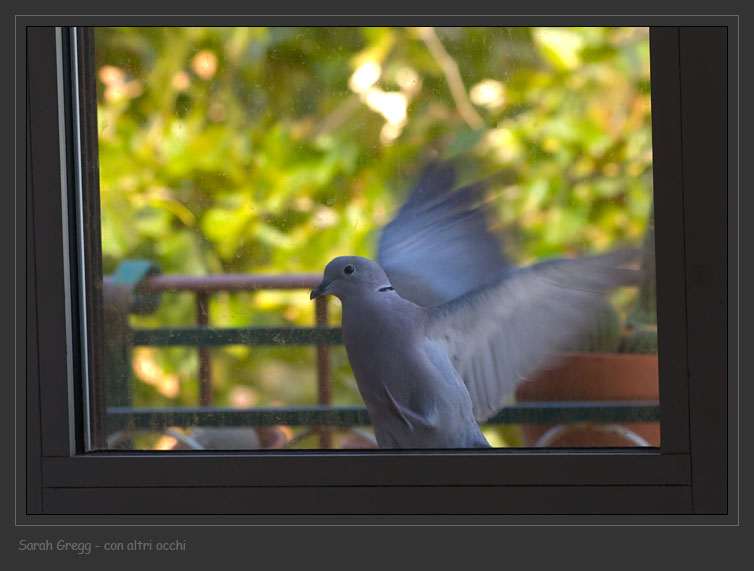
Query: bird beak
[319, 290]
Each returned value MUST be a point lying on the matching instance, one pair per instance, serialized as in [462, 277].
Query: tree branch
[452, 76]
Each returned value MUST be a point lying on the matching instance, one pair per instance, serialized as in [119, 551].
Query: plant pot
[594, 377]
[274, 437]
[234, 438]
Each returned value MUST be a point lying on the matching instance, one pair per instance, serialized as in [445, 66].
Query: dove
[442, 330]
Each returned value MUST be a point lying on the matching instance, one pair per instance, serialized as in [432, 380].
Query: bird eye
[349, 269]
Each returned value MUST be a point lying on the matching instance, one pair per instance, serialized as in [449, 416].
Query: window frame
[688, 474]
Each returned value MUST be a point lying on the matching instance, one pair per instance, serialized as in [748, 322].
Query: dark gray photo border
[687, 477]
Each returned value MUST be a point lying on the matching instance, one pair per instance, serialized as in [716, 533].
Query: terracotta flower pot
[594, 377]
[273, 436]
[234, 438]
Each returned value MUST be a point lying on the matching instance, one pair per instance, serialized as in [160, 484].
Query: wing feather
[439, 245]
[498, 334]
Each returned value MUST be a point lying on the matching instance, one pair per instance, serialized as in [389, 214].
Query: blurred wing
[439, 245]
[499, 334]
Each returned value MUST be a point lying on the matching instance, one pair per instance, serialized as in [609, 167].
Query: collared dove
[441, 331]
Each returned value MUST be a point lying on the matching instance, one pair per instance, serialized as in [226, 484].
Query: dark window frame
[688, 474]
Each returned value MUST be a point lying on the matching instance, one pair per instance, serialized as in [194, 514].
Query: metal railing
[140, 281]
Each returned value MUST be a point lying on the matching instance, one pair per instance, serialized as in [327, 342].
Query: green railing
[346, 416]
[136, 287]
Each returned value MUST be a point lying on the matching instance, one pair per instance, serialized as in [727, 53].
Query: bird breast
[384, 343]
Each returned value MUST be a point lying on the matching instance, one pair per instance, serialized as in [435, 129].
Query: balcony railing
[138, 284]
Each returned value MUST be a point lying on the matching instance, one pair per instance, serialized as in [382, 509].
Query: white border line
[76, 120]
[65, 241]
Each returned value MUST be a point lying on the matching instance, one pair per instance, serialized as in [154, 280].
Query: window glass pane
[235, 163]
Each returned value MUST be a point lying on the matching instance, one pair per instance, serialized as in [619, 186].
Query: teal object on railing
[131, 273]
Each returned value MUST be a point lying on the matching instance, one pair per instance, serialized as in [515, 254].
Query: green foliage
[605, 335]
[642, 340]
[256, 150]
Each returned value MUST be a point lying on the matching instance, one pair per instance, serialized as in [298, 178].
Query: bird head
[351, 275]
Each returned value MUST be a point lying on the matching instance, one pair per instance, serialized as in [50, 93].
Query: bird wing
[439, 245]
[500, 333]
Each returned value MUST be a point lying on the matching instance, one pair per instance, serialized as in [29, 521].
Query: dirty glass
[235, 163]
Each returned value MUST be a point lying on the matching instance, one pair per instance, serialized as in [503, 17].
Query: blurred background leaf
[272, 150]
